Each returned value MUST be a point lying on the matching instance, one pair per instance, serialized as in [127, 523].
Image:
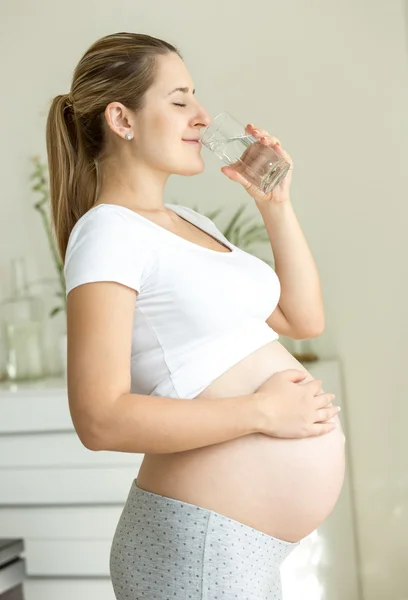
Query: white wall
[329, 79]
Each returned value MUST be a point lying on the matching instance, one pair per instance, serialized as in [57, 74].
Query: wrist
[274, 208]
[256, 409]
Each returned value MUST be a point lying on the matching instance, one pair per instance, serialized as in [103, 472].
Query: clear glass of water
[259, 164]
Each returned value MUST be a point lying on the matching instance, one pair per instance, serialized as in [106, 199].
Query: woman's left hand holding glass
[281, 192]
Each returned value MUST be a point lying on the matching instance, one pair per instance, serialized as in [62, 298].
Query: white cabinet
[61, 498]
[65, 501]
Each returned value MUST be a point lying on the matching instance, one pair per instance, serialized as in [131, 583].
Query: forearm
[301, 298]
[157, 425]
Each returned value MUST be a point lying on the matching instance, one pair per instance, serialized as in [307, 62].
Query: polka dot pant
[165, 549]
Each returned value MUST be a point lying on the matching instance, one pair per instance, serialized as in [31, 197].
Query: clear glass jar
[22, 324]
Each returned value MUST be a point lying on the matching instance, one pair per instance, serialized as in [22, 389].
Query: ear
[119, 119]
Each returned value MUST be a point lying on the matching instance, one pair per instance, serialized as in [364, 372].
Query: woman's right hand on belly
[288, 410]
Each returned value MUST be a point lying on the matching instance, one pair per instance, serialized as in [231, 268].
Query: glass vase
[22, 323]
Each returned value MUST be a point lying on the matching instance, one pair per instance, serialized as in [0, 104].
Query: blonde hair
[118, 67]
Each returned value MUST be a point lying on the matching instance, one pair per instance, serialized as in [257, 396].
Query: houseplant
[40, 185]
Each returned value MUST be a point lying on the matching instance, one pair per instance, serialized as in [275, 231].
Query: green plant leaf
[253, 228]
[236, 233]
[234, 220]
[211, 215]
[260, 236]
[41, 186]
[55, 311]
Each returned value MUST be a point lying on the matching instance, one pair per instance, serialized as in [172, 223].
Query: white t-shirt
[198, 311]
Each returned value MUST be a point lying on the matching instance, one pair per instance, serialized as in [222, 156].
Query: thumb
[234, 175]
[295, 374]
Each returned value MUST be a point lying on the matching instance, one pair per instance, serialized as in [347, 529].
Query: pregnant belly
[283, 487]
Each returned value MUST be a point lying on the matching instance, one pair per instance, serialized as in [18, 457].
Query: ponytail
[73, 175]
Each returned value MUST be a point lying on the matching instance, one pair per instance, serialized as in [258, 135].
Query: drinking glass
[259, 164]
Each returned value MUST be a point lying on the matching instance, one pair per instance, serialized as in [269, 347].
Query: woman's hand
[287, 410]
[281, 192]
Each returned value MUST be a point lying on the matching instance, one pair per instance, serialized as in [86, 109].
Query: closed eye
[175, 104]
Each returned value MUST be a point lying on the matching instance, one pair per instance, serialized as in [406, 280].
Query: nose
[203, 119]
[207, 119]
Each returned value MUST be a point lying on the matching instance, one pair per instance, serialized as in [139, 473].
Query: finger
[232, 174]
[295, 374]
[323, 400]
[269, 140]
[274, 143]
[323, 428]
[281, 152]
[235, 176]
[315, 384]
[324, 414]
[259, 133]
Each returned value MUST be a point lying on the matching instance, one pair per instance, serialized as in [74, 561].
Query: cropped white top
[197, 311]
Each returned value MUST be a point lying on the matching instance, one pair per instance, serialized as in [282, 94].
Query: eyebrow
[181, 89]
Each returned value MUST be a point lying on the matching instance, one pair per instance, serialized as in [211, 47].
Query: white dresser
[64, 501]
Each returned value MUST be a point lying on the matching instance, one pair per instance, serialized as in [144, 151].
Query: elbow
[89, 435]
[317, 329]
[97, 439]
[92, 444]
[312, 331]
[92, 419]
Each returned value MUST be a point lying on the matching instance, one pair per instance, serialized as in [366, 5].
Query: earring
[129, 136]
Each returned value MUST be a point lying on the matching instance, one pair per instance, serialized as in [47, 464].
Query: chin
[192, 169]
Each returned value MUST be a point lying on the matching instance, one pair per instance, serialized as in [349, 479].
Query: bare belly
[283, 487]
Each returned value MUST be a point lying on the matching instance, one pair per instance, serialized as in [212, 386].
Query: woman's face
[168, 119]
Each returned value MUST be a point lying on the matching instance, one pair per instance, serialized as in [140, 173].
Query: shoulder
[103, 224]
[107, 245]
[102, 215]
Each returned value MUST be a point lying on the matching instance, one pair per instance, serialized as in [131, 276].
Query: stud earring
[129, 136]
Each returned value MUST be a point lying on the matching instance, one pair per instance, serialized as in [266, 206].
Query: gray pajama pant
[165, 549]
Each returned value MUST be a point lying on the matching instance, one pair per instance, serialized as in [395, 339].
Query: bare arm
[153, 424]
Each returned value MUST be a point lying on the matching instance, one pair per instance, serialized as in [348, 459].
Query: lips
[196, 141]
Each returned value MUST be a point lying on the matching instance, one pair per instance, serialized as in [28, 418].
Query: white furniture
[64, 501]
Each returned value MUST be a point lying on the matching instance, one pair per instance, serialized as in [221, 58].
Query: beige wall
[329, 79]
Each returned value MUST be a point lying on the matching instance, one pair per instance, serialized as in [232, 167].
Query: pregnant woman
[173, 332]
